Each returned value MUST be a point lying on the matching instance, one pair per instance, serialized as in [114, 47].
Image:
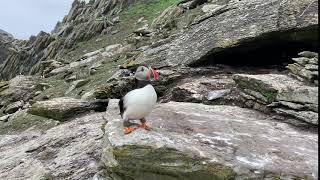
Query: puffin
[139, 102]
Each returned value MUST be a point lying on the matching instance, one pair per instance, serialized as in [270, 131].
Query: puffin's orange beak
[155, 74]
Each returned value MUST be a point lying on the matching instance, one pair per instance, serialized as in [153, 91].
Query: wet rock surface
[193, 140]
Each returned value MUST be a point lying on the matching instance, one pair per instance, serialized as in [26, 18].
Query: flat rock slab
[65, 107]
[287, 88]
[70, 151]
[196, 141]
[284, 90]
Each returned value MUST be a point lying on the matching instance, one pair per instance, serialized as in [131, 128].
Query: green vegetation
[150, 9]
[270, 95]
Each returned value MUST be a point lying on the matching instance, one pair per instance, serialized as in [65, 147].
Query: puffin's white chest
[139, 103]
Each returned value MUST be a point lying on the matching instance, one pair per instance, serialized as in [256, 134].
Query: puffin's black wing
[121, 106]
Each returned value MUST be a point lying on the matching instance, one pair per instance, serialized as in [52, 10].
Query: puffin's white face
[144, 74]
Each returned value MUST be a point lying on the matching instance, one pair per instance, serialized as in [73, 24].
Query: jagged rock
[6, 43]
[306, 68]
[63, 108]
[4, 85]
[116, 19]
[93, 57]
[49, 65]
[232, 28]
[76, 84]
[69, 151]
[143, 31]
[278, 87]
[13, 107]
[167, 18]
[71, 78]
[308, 54]
[301, 60]
[194, 141]
[308, 116]
[20, 88]
[5, 118]
[282, 89]
[83, 22]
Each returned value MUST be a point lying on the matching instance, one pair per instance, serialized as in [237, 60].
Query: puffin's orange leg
[128, 130]
[144, 125]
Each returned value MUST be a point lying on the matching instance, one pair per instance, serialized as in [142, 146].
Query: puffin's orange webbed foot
[145, 126]
[128, 130]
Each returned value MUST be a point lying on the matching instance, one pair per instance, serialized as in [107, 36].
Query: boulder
[274, 90]
[11, 108]
[195, 141]
[68, 151]
[20, 88]
[65, 107]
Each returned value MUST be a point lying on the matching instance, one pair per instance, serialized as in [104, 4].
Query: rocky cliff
[84, 21]
[238, 92]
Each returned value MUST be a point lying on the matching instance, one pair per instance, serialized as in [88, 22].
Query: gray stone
[65, 107]
[196, 141]
[212, 95]
[307, 116]
[11, 108]
[308, 54]
[256, 94]
[233, 27]
[5, 118]
[301, 60]
[20, 88]
[311, 67]
[292, 105]
[68, 151]
[278, 87]
[77, 84]
[313, 61]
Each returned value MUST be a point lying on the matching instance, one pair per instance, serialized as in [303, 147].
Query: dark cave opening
[273, 50]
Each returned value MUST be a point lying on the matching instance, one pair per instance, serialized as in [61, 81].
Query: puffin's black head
[144, 74]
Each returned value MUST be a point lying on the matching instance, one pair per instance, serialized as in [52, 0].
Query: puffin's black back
[141, 84]
[121, 106]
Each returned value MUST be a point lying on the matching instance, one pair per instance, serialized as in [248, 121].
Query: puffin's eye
[142, 69]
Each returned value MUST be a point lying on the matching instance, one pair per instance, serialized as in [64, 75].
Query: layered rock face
[281, 93]
[236, 24]
[305, 67]
[5, 44]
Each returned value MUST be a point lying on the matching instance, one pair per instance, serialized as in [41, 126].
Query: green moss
[23, 122]
[270, 95]
[144, 8]
[256, 85]
[166, 163]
